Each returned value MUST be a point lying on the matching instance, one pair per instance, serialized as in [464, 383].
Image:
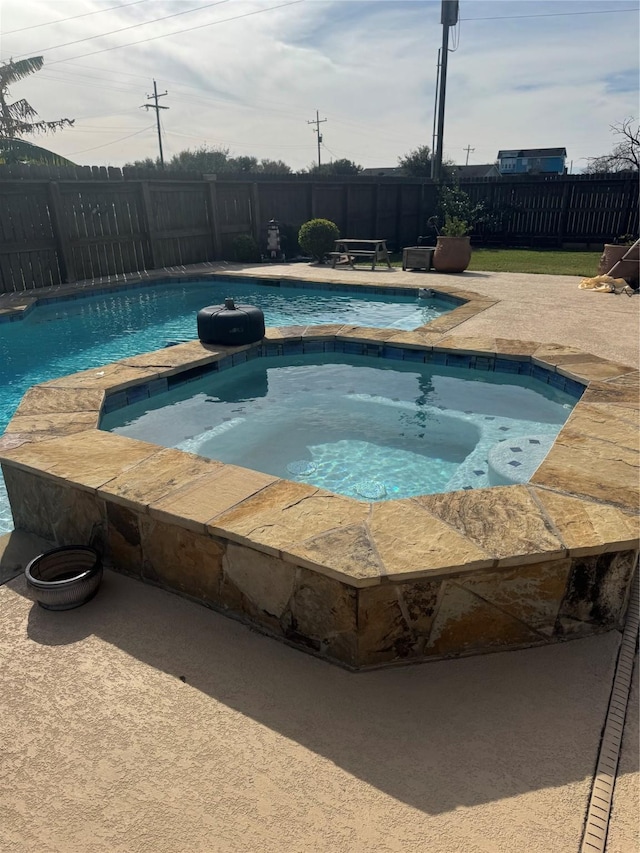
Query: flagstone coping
[364, 584]
[582, 499]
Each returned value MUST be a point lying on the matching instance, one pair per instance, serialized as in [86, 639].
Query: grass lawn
[549, 261]
[535, 261]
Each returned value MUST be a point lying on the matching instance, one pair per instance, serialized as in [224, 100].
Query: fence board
[60, 223]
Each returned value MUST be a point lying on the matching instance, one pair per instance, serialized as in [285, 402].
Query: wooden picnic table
[352, 249]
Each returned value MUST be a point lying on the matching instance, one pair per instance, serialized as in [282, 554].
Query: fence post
[376, 211]
[255, 219]
[398, 216]
[630, 188]
[214, 221]
[146, 211]
[345, 207]
[60, 235]
[564, 213]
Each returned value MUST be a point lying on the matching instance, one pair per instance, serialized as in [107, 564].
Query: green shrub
[245, 249]
[454, 227]
[317, 237]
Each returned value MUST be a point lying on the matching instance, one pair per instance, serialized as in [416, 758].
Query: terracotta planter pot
[611, 255]
[452, 254]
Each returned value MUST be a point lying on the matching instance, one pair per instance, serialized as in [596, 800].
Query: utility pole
[318, 121]
[468, 149]
[156, 106]
[448, 18]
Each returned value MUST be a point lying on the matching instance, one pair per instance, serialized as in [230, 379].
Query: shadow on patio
[436, 736]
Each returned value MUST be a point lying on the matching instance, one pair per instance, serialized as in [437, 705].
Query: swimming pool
[60, 337]
[367, 428]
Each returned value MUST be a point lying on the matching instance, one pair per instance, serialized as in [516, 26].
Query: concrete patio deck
[143, 722]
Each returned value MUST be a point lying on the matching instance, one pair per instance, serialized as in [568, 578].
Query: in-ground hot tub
[366, 427]
[359, 582]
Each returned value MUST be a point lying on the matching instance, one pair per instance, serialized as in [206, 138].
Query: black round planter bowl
[64, 577]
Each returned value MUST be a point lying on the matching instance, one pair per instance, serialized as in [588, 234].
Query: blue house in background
[533, 161]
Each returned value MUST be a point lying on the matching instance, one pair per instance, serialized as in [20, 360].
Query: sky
[249, 75]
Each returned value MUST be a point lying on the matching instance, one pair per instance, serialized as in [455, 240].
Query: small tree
[19, 119]
[417, 164]
[336, 167]
[317, 237]
[274, 167]
[625, 155]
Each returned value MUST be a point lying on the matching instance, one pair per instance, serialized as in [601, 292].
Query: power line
[74, 17]
[178, 32]
[468, 149]
[553, 14]
[113, 141]
[122, 29]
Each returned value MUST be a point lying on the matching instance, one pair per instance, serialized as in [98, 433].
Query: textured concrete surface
[261, 748]
[143, 722]
[624, 829]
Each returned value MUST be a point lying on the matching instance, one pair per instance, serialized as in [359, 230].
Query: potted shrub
[453, 244]
[317, 237]
[614, 252]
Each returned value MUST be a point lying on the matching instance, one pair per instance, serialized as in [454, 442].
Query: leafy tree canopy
[417, 164]
[19, 118]
[336, 167]
[625, 155]
[215, 161]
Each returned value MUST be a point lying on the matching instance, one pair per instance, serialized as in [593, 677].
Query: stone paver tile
[322, 333]
[468, 345]
[623, 391]
[287, 513]
[89, 458]
[585, 371]
[551, 355]
[419, 339]
[465, 622]
[532, 593]
[112, 376]
[157, 477]
[182, 559]
[411, 542]
[474, 300]
[509, 348]
[211, 495]
[363, 334]
[592, 468]
[586, 527]
[394, 620]
[41, 400]
[505, 521]
[190, 354]
[607, 423]
[46, 426]
[347, 551]
[273, 334]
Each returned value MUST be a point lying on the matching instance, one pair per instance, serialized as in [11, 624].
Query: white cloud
[252, 84]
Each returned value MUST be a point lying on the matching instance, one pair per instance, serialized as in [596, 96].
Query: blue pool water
[63, 337]
[366, 428]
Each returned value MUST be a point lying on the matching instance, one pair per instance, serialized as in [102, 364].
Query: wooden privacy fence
[66, 225]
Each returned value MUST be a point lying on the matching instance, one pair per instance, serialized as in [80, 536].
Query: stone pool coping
[431, 560]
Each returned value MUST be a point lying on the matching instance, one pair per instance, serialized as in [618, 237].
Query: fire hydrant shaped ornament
[273, 241]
